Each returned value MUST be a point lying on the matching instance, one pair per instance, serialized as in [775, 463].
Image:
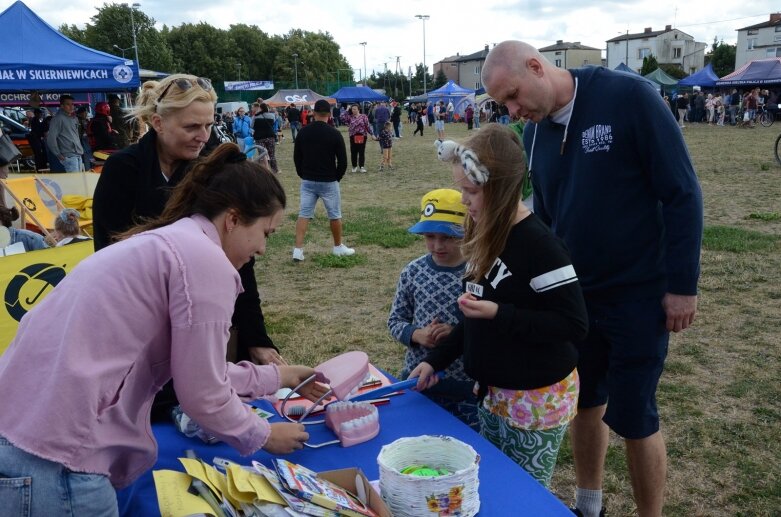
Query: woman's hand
[265, 355]
[292, 376]
[425, 374]
[285, 438]
[478, 309]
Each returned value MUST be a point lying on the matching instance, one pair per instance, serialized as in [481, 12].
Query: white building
[759, 41]
[668, 46]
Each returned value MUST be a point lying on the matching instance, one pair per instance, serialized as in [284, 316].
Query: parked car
[18, 133]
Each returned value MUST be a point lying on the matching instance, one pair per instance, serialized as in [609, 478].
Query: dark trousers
[419, 127]
[358, 152]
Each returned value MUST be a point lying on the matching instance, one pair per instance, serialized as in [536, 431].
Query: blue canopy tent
[706, 78]
[357, 94]
[451, 92]
[623, 68]
[35, 57]
[757, 72]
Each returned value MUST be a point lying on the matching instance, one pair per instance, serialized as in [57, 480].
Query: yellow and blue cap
[441, 211]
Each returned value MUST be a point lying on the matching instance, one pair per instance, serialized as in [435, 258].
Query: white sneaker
[298, 254]
[363, 169]
[343, 251]
[355, 169]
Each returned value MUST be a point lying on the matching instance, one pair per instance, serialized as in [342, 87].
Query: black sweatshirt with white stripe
[530, 342]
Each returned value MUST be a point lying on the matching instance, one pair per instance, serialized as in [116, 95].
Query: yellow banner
[25, 279]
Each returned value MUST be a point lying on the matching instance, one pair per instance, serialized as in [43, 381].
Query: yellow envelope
[200, 470]
[172, 496]
[244, 484]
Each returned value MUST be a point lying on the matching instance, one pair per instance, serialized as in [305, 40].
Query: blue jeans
[328, 191]
[294, 127]
[34, 487]
[73, 163]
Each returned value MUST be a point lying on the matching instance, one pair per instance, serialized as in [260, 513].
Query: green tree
[673, 70]
[417, 80]
[252, 53]
[722, 57]
[440, 80]
[73, 32]
[649, 65]
[318, 60]
[111, 26]
[203, 50]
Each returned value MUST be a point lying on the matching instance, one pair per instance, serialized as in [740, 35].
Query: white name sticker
[475, 289]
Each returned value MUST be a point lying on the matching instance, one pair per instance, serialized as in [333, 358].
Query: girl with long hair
[522, 305]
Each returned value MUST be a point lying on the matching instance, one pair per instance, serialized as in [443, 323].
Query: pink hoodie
[78, 380]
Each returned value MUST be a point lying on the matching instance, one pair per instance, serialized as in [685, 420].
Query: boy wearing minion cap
[425, 308]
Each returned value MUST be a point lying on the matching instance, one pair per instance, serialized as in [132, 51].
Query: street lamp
[121, 49]
[364, 61]
[295, 63]
[133, 7]
[423, 17]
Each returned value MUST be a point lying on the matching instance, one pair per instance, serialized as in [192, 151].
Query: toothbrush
[385, 390]
[298, 411]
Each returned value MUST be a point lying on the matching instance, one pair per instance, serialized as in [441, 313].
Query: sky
[390, 29]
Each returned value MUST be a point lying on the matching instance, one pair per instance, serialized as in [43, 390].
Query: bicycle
[765, 117]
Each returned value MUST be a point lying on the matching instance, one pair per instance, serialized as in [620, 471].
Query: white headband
[450, 151]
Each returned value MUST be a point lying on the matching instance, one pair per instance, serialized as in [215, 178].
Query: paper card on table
[247, 486]
[172, 496]
[206, 473]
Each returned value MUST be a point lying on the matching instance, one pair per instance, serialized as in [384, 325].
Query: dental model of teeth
[352, 422]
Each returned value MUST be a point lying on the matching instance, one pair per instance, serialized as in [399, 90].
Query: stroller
[256, 153]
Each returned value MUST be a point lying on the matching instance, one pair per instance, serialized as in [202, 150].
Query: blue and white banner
[237, 86]
[91, 77]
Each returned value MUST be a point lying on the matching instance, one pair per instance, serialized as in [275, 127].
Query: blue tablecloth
[505, 488]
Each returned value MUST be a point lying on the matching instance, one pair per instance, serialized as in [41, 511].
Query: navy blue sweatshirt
[623, 195]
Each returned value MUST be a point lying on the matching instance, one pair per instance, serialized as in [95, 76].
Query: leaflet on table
[297, 505]
[305, 484]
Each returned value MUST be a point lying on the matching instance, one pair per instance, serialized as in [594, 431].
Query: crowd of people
[63, 140]
[733, 107]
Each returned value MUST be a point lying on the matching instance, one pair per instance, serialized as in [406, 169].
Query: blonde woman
[136, 183]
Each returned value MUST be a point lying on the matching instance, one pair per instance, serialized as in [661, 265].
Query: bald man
[618, 186]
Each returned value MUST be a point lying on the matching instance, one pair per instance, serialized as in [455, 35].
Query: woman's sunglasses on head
[185, 83]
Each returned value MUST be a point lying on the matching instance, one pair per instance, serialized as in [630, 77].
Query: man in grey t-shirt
[63, 138]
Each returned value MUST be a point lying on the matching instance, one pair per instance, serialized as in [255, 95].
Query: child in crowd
[386, 144]
[66, 228]
[522, 305]
[421, 116]
[424, 309]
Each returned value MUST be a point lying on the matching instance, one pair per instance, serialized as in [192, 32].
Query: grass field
[720, 398]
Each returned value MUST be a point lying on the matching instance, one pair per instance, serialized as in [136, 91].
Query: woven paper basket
[414, 496]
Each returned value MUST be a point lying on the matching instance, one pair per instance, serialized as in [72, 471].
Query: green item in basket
[424, 471]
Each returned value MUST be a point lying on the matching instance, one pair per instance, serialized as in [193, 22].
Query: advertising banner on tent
[45, 99]
[240, 86]
[27, 278]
